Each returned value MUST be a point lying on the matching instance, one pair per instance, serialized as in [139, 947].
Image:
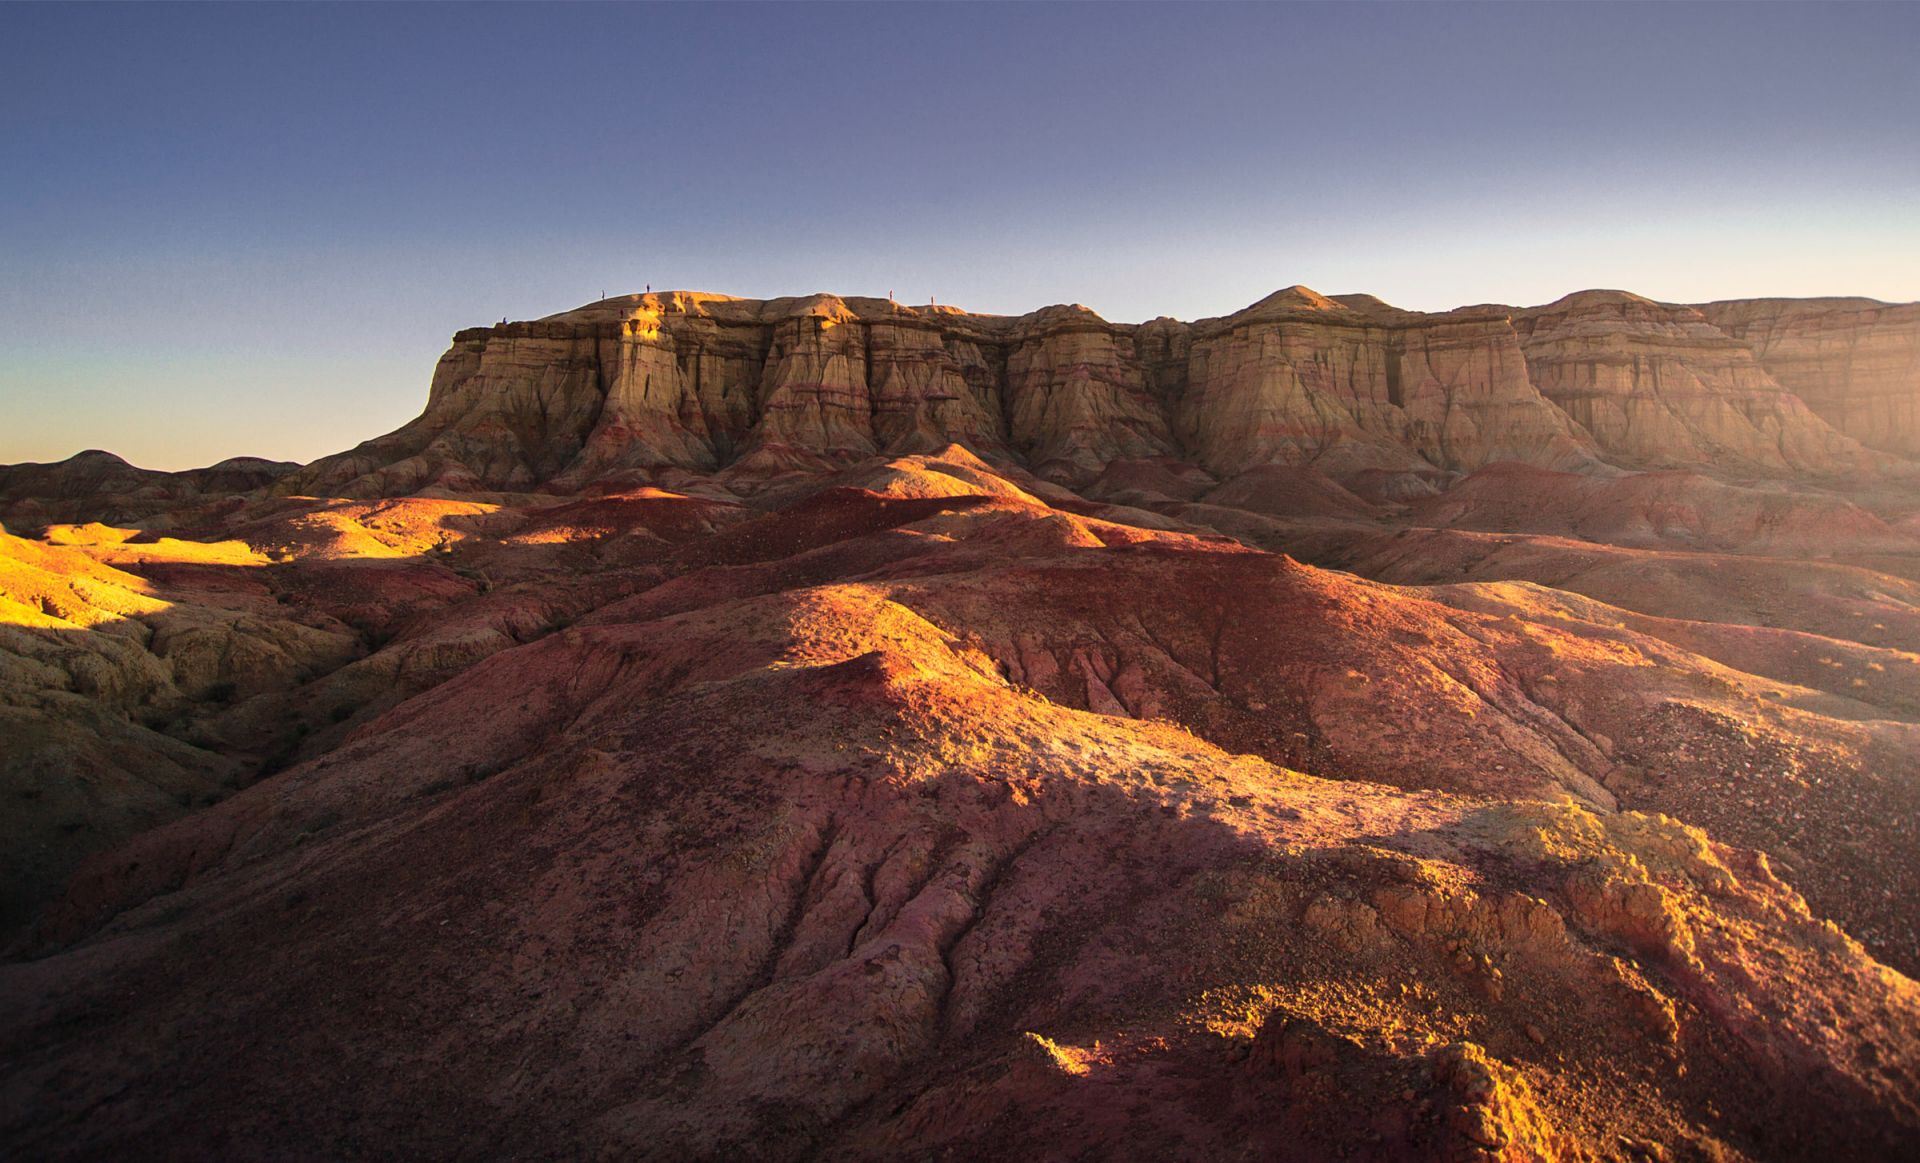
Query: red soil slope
[929, 810]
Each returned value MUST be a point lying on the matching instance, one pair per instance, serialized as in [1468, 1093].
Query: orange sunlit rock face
[823, 727]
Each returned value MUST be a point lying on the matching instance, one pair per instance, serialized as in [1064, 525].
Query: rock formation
[1353, 384]
[1391, 401]
[1660, 386]
[1854, 361]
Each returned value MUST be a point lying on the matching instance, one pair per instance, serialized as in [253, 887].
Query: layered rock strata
[1355, 384]
[1855, 362]
[1360, 390]
[1659, 385]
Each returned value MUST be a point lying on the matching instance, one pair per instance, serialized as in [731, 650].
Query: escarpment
[1854, 361]
[1352, 386]
[1659, 385]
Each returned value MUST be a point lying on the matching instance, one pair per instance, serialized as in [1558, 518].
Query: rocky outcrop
[845, 382]
[1354, 384]
[688, 381]
[1388, 401]
[702, 382]
[1079, 396]
[1658, 385]
[1856, 362]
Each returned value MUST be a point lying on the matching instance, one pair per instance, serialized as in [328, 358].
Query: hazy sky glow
[251, 229]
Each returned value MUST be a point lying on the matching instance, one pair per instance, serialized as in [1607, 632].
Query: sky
[252, 229]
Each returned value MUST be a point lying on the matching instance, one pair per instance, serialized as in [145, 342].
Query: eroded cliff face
[850, 378]
[685, 381]
[1352, 386]
[640, 382]
[1078, 395]
[1855, 362]
[1659, 385]
[1355, 384]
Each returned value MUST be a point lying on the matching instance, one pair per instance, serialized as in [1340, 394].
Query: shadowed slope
[951, 907]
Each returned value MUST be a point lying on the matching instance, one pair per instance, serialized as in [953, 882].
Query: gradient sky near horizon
[251, 229]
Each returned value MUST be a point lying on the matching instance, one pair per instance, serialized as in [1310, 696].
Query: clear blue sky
[251, 229]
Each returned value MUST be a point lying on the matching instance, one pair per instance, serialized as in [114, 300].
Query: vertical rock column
[1077, 396]
[815, 410]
